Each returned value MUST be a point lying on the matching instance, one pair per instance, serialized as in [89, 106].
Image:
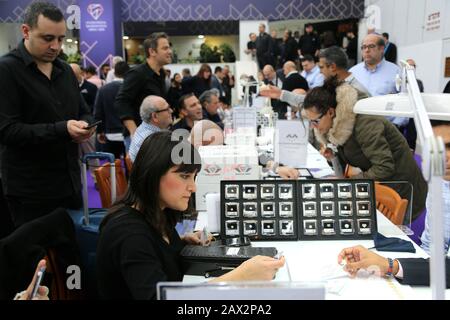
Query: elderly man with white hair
[156, 115]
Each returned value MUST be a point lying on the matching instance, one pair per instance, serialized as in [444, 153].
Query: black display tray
[274, 210]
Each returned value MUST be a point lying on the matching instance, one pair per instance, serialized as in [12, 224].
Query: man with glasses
[376, 74]
[156, 115]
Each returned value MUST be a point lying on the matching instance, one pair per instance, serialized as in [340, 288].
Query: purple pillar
[100, 31]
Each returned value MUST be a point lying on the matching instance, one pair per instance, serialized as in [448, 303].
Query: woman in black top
[174, 94]
[138, 245]
[199, 83]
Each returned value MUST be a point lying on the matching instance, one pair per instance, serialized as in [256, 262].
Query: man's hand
[358, 257]
[77, 130]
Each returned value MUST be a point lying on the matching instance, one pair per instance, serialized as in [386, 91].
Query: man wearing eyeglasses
[156, 115]
[376, 74]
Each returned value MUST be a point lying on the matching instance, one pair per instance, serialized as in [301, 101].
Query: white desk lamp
[411, 103]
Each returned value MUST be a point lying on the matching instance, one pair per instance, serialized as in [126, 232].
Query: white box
[238, 138]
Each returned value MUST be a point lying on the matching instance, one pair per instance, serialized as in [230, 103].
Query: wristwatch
[390, 267]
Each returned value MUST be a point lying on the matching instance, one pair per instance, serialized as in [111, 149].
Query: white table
[312, 261]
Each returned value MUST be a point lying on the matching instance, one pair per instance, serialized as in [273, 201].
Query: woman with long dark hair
[370, 143]
[199, 83]
[138, 245]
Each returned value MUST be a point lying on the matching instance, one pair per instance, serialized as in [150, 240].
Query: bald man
[88, 90]
[293, 79]
[376, 74]
[206, 133]
[156, 115]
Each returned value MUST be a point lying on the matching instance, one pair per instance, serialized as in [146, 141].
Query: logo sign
[95, 10]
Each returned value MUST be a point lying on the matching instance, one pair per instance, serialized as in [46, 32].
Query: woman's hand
[196, 238]
[255, 269]
[260, 268]
[42, 293]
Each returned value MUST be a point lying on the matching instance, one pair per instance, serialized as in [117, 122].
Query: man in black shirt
[191, 110]
[43, 118]
[309, 43]
[144, 80]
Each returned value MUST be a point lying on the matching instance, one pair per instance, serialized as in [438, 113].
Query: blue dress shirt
[142, 132]
[315, 78]
[379, 81]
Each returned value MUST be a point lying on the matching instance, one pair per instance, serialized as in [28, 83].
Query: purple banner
[193, 10]
[100, 31]
[183, 10]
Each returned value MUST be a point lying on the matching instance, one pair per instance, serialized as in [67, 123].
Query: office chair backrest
[390, 203]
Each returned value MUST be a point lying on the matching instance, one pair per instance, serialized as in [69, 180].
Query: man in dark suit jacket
[105, 111]
[390, 49]
[88, 89]
[410, 271]
[264, 47]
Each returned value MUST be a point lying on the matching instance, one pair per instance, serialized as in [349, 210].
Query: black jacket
[21, 251]
[39, 159]
[104, 108]
[89, 92]
[309, 44]
[391, 53]
[295, 81]
[196, 85]
[416, 271]
[139, 82]
[290, 52]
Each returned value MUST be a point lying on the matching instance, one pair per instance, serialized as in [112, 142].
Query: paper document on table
[373, 287]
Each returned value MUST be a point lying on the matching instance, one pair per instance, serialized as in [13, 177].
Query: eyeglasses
[316, 121]
[370, 46]
[162, 110]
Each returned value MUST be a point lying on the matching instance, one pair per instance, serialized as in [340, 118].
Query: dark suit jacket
[89, 92]
[391, 53]
[105, 111]
[416, 271]
[295, 81]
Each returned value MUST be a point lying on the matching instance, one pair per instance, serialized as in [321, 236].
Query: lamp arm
[433, 157]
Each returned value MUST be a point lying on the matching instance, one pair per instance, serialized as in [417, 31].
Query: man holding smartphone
[43, 118]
